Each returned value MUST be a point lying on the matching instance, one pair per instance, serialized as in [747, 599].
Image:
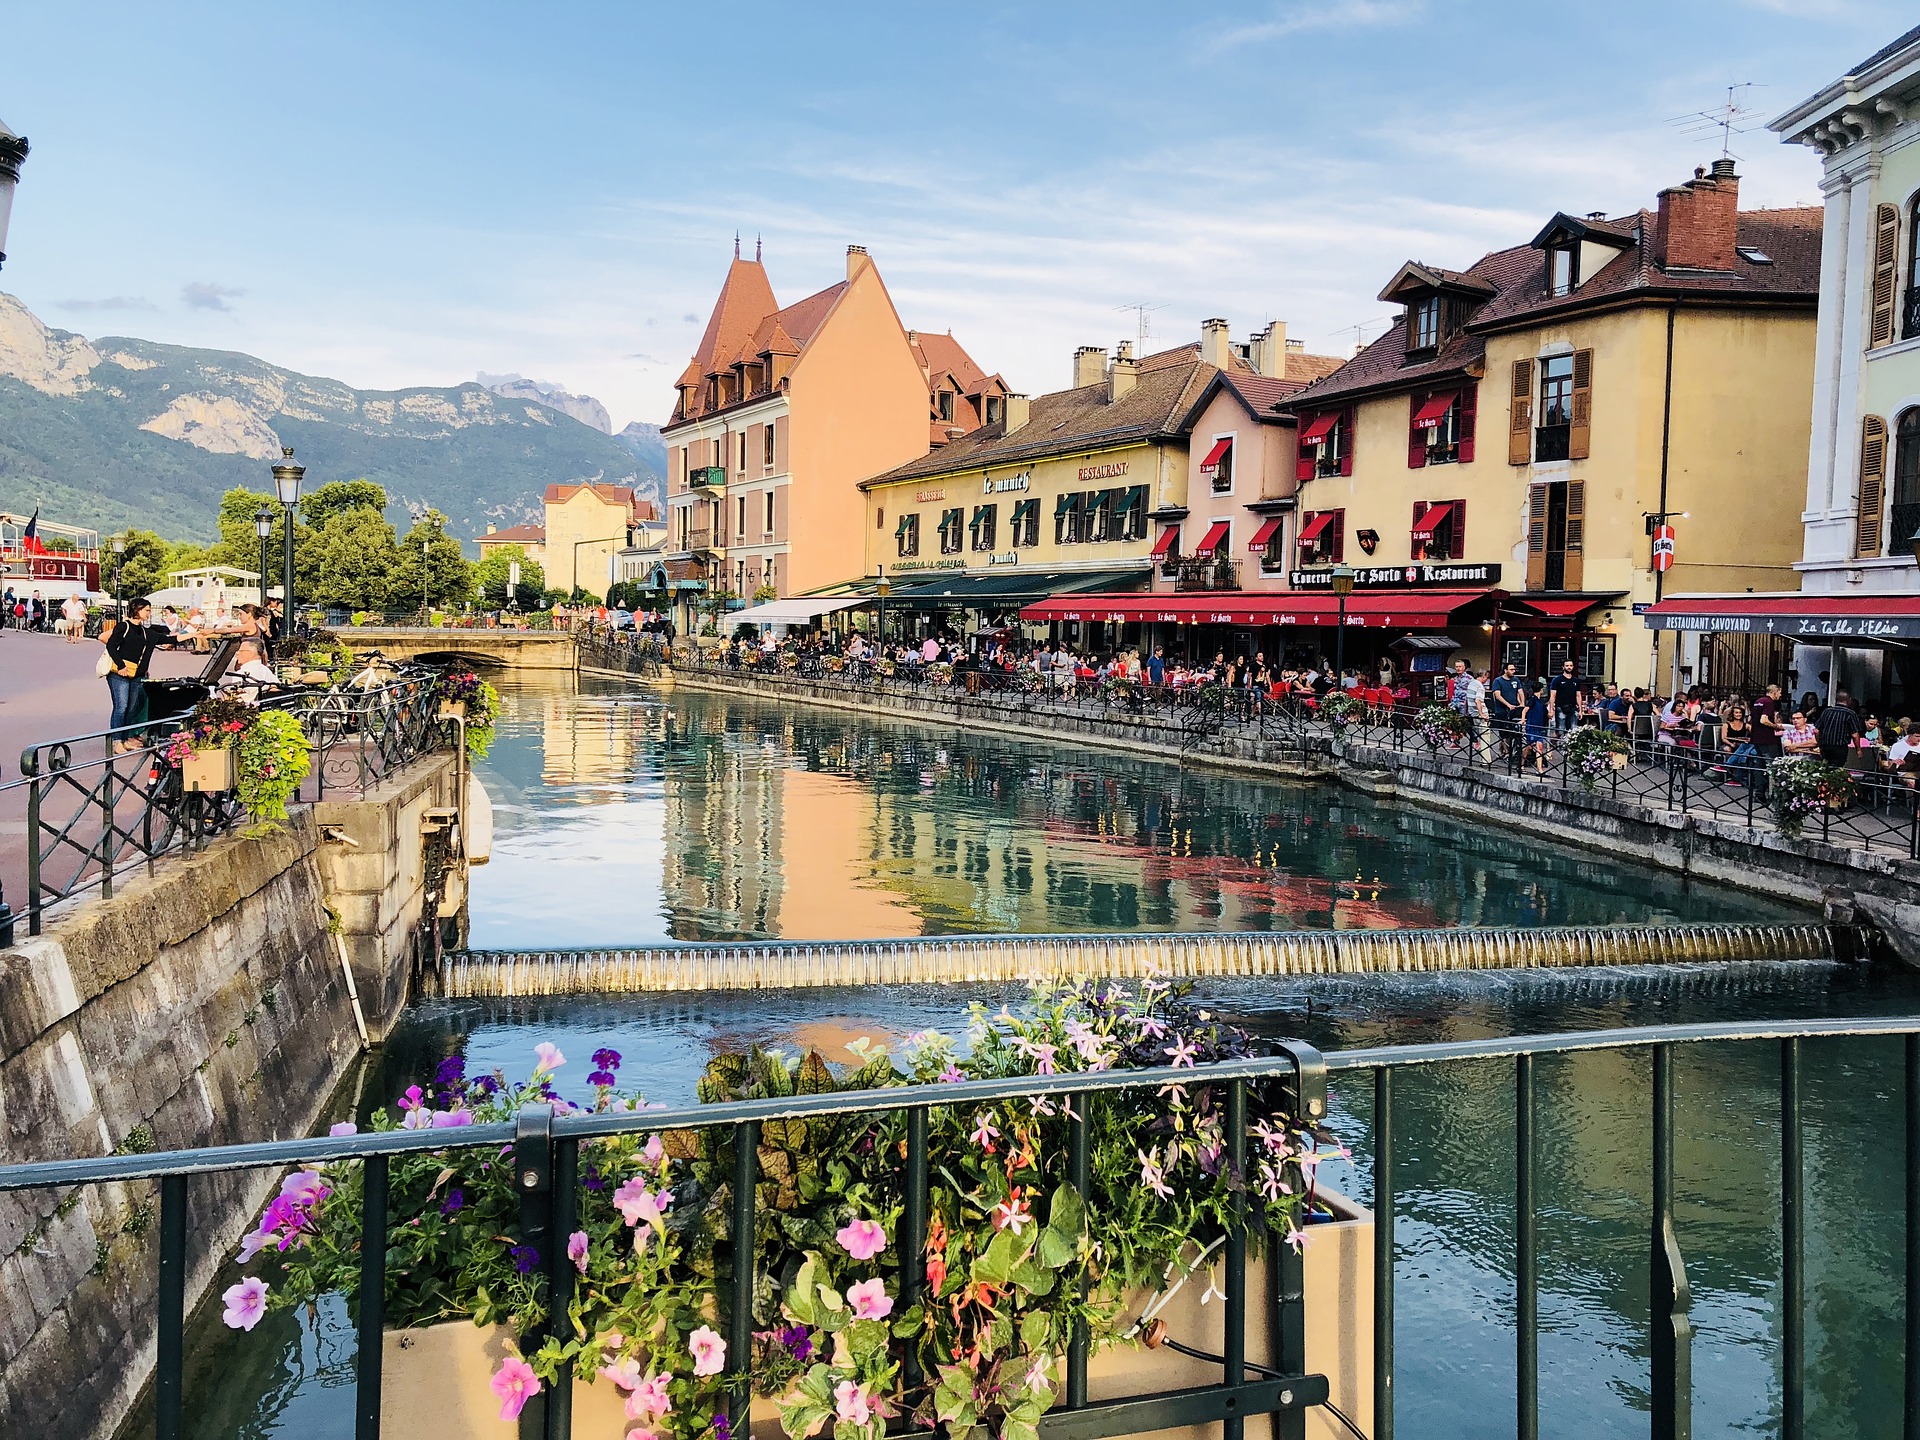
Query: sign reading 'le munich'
[1401, 577]
[1006, 483]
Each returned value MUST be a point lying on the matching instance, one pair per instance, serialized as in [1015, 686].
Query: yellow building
[531, 540]
[1510, 445]
[588, 525]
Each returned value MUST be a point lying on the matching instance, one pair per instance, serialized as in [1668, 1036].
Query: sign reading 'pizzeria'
[1104, 472]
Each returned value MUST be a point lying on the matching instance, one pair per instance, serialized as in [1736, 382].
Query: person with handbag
[129, 650]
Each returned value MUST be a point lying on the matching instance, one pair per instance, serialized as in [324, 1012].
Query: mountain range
[117, 431]
[642, 439]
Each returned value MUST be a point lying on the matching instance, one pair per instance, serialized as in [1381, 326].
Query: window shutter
[1867, 537]
[1536, 535]
[1574, 561]
[1345, 431]
[1458, 550]
[1580, 434]
[1416, 437]
[1463, 421]
[1416, 549]
[1886, 261]
[1303, 454]
[1520, 417]
[1337, 528]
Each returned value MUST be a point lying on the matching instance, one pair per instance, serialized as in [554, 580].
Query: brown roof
[943, 353]
[1789, 238]
[612, 494]
[746, 298]
[795, 324]
[1070, 420]
[1305, 369]
[516, 535]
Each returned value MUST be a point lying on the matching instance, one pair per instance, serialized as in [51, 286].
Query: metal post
[1234, 1427]
[1672, 1389]
[1079, 1175]
[746, 1140]
[286, 569]
[373, 1296]
[913, 1239]
[1383, 1253]
[560, 1277]
[1911, 1429]
[1526, 1258]
[170, 1303]
[533, 1179]
[1793, 1233]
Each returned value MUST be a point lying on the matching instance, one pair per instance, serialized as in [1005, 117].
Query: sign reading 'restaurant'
[1402, 577]
[1104, 472]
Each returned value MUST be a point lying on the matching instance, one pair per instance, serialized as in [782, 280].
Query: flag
[30, 538]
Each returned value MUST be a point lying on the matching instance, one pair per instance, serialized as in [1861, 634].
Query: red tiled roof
[516, 535]
[746, 298]
[938, 353]
[612, 494]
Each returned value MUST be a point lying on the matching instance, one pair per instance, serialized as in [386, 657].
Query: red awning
[1263, 537]
[1559, 609]
[1435, 410]
[1212, 462]
[1311, 531]
[1401, 610]
[1318, 429]
[1424, 527]
[1215, 537]
[1169, 537]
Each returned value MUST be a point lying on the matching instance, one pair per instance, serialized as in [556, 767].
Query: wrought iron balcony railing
[1207, 575]
[707, 477]
[1903, 524]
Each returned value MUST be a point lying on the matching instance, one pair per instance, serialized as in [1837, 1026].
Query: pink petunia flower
[862, 1239]
[636, 1203]
[345, 1127]
[951, 1075]
[851, 1404]
[709, 1351]
[577, 1250]
[870, 1300]
[246, 1302]
[650, 1399]
[549, 1057]
[654, 1150]
[985, 1132]
[624, 1373]
[515, 1383]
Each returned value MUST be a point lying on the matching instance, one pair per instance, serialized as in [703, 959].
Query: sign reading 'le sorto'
[1104, 472]
[1401, 577]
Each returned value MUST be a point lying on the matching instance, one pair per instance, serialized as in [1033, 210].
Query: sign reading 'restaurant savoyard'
[1104, 472]
[1401, 577]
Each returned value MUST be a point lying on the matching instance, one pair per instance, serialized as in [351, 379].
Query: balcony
[1903, 524]
[1550, 442]
[1910, 318]
[711, 478]
[1206, 575]
[703, 541]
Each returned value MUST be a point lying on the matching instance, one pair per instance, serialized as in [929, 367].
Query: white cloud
[205, 295]
[1305, 15]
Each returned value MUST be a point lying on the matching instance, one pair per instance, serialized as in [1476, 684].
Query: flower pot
[208, 770]
[1618, 759]
[435, 1378]
[453, 709]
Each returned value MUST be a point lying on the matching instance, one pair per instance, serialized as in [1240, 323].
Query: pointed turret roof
[745, 300]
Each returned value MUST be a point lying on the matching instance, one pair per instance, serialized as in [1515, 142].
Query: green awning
[1025, 508]
[1067, 503]
[1130, 499]
[1014, 587]
[906, 524]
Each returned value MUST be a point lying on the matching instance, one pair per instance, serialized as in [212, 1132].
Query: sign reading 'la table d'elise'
[1402, 577]
[1815, 628]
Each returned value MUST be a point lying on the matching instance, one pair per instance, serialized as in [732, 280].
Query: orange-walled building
[782, 411]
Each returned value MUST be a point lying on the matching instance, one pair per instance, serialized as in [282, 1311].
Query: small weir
[779, 965]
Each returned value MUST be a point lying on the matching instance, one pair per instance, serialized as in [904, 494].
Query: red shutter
[1304, 456]
[1469, 395]
[1420, 508]
[1416, 437]
[1346, 443]
[1337, 527]
[1459, 517]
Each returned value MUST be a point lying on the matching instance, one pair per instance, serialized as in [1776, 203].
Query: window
[1886, 274]
[1441, 426]
[767, 459]
[768, 527]
[986, 521]
[1423, 324]
[1323, 537]
[1130, 513]
[773, 582]
[1219, 464]
[1563, 269]
[946, 405]
[1023, 527]
[1067, 517]
[1556, 408]
[1439, 530]
[1099, 524]
[993, 409]
[1325, 446]
[952, 522]
[906, 539]
[1905, 517]
[1911, 330]
[741, 451]
[741, 517]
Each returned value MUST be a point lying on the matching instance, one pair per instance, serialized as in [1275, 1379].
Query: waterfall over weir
[777, 965]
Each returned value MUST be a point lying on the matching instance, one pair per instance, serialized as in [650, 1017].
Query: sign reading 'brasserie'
[1402, 577]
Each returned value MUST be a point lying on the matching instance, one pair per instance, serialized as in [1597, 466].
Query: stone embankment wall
[1883, 887]
[204, 1005]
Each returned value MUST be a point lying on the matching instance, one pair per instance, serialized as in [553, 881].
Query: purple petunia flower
[525, 1257]
[454, 1201]
[595, 1180]
[604, 1059]
[602, 1078]
[722, 1427]
[452, 1071]
[798, 1341]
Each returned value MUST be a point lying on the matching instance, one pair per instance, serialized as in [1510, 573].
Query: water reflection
[626, 817]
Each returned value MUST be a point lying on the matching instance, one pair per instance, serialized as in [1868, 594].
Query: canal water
[624, 817]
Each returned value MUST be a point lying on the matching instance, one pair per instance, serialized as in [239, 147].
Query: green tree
[490, 576]
[321, 505]
[239, 545]
[447, 573]
[141, 569]
[357, 561]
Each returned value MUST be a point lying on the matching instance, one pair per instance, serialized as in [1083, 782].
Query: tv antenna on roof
[1144, 326]
[1730, 119]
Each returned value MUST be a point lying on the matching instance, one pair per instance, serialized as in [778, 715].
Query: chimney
[1122, 374]
[1089, 365]
[1214, 347]
[491, 527]
[1269, 350]
[1699, 221]
[1019, 410]
[856, 260]
[1124, 350]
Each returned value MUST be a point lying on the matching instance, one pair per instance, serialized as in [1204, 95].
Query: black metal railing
[546, 1158]
[1552, 442]
[1219, 574]
[1903, 524]
[606, 648]
[95, 812]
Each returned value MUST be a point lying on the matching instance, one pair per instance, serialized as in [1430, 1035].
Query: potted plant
[203, 748]
[1593, 752]
[463, 695]
[1803, 785]
[1441, 725]
[1014, 1259]
[1340, 709]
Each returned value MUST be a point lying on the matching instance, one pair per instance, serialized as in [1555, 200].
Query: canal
[629, 817]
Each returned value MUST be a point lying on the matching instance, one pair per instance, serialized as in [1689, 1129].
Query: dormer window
[1423, 324]
[993, 410]
[945, 402]
[1563, 269]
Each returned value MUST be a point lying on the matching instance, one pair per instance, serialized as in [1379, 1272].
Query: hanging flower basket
[210, 768]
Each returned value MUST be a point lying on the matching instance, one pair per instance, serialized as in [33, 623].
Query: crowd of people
[130, 640]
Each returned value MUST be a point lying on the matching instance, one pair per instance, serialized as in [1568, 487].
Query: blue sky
[409, 194]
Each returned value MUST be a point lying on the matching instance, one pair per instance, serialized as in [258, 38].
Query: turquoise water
[677, 835]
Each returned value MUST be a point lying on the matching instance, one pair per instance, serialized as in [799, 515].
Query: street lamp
[263, 527]
[1341, 580]
[119, 549]
[286, 482]
[883, 589]
[13, 152]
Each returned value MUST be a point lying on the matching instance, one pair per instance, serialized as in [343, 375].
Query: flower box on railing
[208, 769]
[453, 710]
[435, 1379]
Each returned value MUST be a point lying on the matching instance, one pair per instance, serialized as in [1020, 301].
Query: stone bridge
[493, 649]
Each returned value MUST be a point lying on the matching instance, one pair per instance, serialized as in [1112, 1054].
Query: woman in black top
[130, 647]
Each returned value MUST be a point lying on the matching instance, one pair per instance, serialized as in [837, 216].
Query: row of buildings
[1591, 445]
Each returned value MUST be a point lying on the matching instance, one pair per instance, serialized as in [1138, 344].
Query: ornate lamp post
[13, 153]
[286, 483]
[1342, 582]
[263, 527]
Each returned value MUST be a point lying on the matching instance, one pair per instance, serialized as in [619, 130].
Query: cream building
[588, 526]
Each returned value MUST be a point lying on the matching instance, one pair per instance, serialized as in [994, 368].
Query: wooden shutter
[1580, 435]
[1416, 437]
[1867, 537]
[1337, 528]
[1536, 533]
[1458, 550]
[1520, 417]
[1469, 400]
[1886, 264]
[1415, 548]
[1345, 431]
[1575, 562]
[1304, 456]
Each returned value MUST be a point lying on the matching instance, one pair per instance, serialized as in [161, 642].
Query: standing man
[1839, 726]
[1508, 707]
[1469, 698]
[1157, 668]
[1563, 699]
[74, 615]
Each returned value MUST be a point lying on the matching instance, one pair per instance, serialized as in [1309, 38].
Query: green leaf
[1033, 1278]
[1036, 1328]
[953, 1402]
[995, 1264]
[802, 1418]
[1019, 1430]
[866, 1339]
[799, 1299]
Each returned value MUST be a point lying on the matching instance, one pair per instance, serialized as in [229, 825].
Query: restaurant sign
[1104, 472]
[901, 566]
[1402, 577]
[1814, 629]
[1005, 483]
